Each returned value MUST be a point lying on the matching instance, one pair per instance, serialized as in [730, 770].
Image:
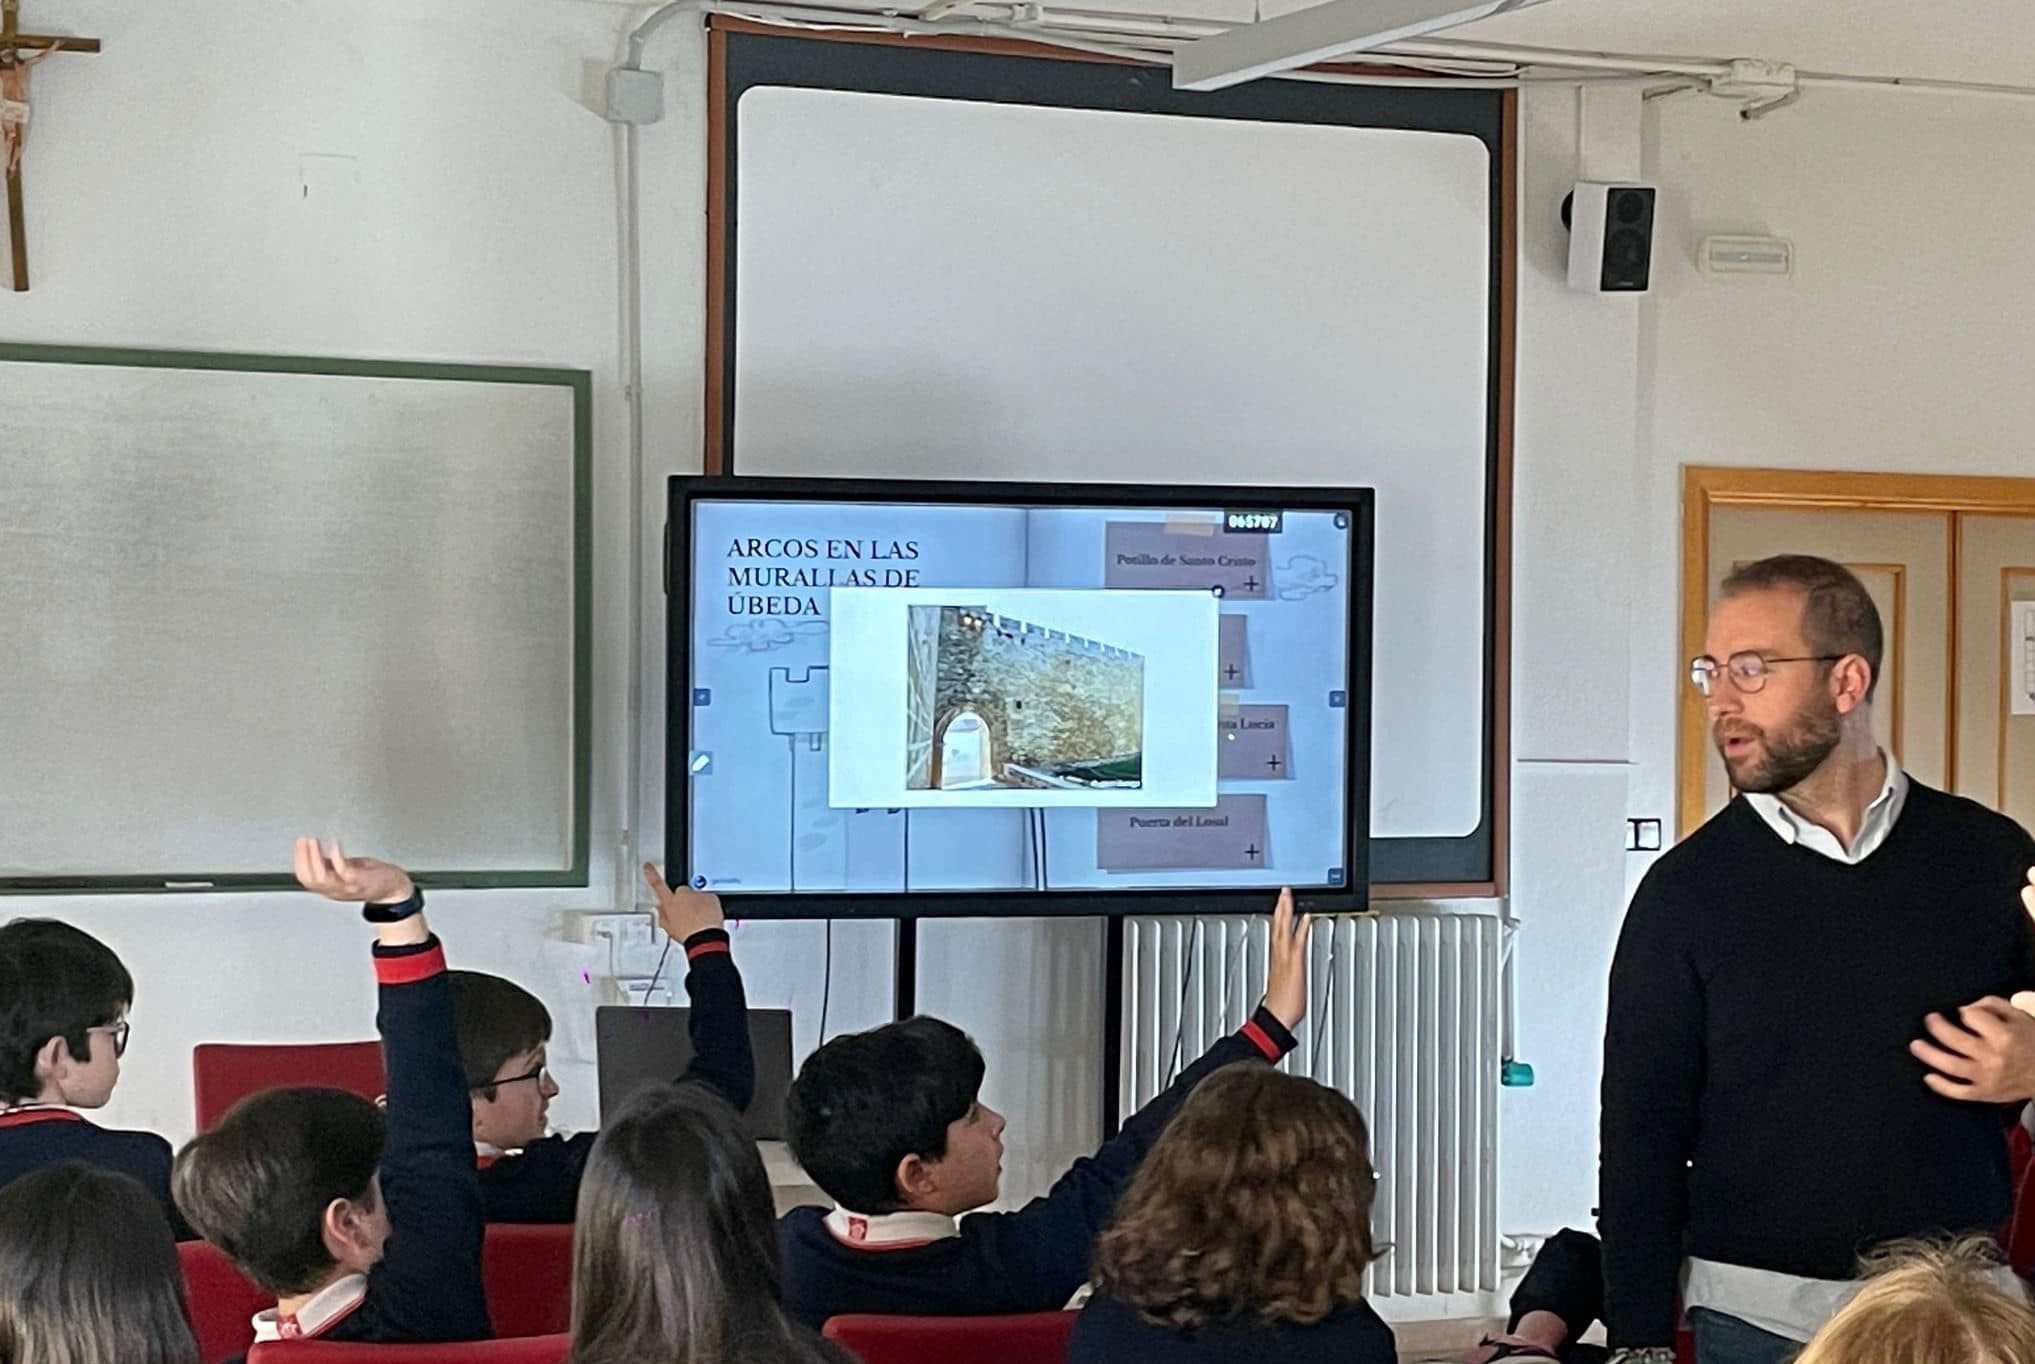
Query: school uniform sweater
[1031, 1260]
[1760, 1104]
[32, 1139]
[428, 1284]
[540, 1183]
[1110, 1333]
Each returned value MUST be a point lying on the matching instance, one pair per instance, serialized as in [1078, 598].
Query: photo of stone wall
[993, 701]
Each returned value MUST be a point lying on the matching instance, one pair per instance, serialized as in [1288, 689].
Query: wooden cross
[14, 65]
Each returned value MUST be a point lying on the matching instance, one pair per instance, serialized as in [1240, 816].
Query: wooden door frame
[1708, 487]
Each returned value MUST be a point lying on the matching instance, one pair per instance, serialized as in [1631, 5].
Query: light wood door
[1904, 561]
[1996, 664]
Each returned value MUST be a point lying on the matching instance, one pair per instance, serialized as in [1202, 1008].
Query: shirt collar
[890, 1230]
[320, 1314]
[1872, 830]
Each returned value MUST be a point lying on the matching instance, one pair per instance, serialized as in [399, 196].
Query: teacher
[1771, 1107]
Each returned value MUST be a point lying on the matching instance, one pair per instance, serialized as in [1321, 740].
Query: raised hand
[1286, 978]
[355, 880]
[682, 912]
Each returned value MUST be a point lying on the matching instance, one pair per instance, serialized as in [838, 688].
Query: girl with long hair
[675, 1248]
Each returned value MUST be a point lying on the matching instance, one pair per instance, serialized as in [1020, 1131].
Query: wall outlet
[630, 945]
[1642, 835]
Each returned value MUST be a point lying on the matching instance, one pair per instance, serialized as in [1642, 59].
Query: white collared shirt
[1879, 819]
[890, 1230]
[317, 1315]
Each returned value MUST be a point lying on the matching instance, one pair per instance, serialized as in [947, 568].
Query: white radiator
[1405, 1016]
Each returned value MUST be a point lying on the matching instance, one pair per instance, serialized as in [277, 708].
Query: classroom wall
[476, 220]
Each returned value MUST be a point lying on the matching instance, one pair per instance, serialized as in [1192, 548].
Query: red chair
[223, 1302]
[1030, 1338]
[529, 1350]
[528, 1271]
[223, 1073]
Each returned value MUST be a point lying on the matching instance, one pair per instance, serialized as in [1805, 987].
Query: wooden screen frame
[1707, 487]
[718, 434]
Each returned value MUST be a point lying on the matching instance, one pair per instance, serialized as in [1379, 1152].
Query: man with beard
[1770, 1110]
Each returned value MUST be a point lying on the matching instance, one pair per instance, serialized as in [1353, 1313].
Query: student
[1939, 1304]
[890, 1124]
[88, 1272]
[673, 1254]
[526, 1176]
[1244, 1236]
[365, 1230]
[1558, 1300]
[64, 998]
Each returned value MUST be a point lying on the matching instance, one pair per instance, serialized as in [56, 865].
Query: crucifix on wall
[21, 53]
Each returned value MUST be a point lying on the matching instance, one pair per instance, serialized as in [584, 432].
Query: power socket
[632, 943]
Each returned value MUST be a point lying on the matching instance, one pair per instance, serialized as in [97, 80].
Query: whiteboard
[933, 287]
[241, 606]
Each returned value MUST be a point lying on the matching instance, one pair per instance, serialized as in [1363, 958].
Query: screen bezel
[1087, 901]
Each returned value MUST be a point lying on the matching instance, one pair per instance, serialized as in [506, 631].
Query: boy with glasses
[527, 1175]
[64, 997]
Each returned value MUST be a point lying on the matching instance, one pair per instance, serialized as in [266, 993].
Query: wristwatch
[1652, 1354]
[395, 913]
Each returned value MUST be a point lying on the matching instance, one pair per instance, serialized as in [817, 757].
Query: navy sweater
[541, 1182]
[1110, 1333]
[1030, 1260]
[38, 1137]
[1761, 1107]
[428, 1285]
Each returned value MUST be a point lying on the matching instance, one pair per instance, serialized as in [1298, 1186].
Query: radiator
[1405, 1016]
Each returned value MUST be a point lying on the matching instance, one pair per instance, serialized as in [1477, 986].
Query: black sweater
[1110, 1333]
[428, 1286]
[1030, 1260]
[541, 1182]
[1761, 1107]
[38, 1137]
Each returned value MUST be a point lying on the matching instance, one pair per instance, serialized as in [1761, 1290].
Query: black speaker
[1610, 237]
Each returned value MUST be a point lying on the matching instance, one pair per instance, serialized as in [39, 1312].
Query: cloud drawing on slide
[1304, 575]
[765, 633]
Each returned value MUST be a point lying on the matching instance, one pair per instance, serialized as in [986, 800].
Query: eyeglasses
[1747, 671]
[118, 1032]
[542, 1075]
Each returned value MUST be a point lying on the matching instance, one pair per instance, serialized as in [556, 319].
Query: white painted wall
[167, 207]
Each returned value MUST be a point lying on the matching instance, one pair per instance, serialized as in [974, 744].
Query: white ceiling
[1976, 40]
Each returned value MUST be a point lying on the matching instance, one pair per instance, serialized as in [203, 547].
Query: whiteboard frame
[577, 382]
[743, 55]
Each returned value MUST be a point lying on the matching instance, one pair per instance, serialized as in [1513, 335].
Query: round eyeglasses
[1748, 671]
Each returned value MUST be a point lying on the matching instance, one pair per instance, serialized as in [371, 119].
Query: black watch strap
[396, 913]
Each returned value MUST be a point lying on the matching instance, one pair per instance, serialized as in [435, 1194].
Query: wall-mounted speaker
[1610, 237]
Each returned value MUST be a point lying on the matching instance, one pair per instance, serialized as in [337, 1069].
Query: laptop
[638, 1045]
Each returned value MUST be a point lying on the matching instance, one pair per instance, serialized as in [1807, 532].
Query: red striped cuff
[1261, 1039]
[707, 949]
[411, 967]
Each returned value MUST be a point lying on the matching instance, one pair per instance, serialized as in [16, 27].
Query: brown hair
[1256, 1202]
[674, 1253]
[1838, 616]
[1930, 1303]
[88, 1272]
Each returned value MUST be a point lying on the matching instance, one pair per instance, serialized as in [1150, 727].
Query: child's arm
[1041, 1251]
[428, 1286]
[721, 1054]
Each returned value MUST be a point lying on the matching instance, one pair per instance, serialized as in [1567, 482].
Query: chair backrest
[528, 1350]
[223, 1302]
[223, 1073]
[528, 1271]
[1029, 1338]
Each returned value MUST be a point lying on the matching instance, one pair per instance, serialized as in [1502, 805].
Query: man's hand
[683, 912]
[354, 880]
[1986, 1056]
[1286, 979]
